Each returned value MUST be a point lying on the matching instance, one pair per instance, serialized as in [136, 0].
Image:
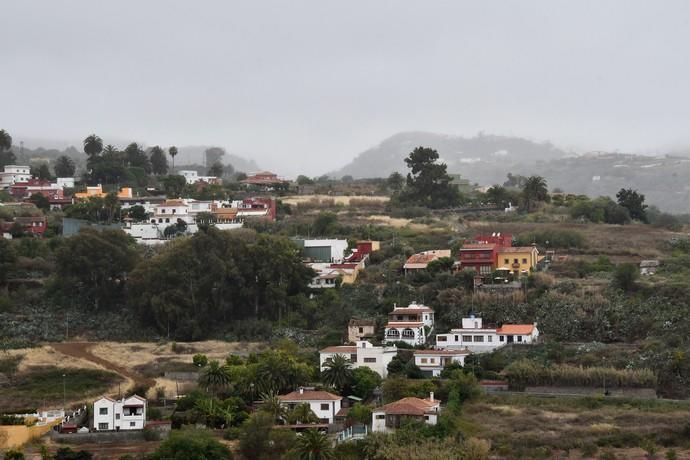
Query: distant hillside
[486, 151]
[665, 180]
[486, 159]
[194, 154]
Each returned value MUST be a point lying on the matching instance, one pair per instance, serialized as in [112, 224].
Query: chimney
[301, 390]
[431, 396]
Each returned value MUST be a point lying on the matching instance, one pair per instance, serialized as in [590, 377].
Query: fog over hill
[486, 159]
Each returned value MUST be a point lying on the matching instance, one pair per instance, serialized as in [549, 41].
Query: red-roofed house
[476, 338]
[407, 324]
[34, 225]
[391, 416]
[264, 179]
[324, 404]
[420, 260]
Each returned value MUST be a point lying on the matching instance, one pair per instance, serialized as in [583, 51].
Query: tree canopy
[634, 202]
[428, 183]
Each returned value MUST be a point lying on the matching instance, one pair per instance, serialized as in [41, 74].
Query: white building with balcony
[113, 415]
[411, 324]
[432, 362]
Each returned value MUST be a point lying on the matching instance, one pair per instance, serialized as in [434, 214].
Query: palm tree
[271, 404]
[535, 189]
[302, 413]
[5, 140]
[172, 151]
[215, 376]
[313, 445]
[338, 372]
[93, 145]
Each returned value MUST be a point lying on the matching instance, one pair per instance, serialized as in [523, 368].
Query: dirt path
[82, 350]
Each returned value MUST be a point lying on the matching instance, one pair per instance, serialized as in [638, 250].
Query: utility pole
[64, 394]
[66, 328]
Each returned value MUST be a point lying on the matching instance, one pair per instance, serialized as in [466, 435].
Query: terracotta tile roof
[421, 259]
[517, 249]
[310, 395]
[407, 310]
[408, 406]
[515, 329]
[339, 349]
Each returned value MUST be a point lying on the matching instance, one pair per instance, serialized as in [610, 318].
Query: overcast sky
[303, 86]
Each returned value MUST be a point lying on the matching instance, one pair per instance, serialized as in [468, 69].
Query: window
[102, 426]
[432, 360]
[519, 338]
[117, 416]
[485, 270]
[478, 338]
[506, 261]
[353, 358]
[361, 330]
[489, 338]
[324, 406]
[426, 417]
[476, 324]
[167, 220]
[400, 318]
[369, 360]
[132, 423]
[466, 338]
[456, 338]
[442, 338]
[423, 360]
[102, 411]
[515, 261]
[524, 261]
[162, 211]
[380, 416]
[501, 338]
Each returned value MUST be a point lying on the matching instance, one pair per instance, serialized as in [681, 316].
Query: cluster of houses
[485, 255]
[328, 258]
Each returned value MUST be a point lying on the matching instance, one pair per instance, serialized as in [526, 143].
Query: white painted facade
[323, 404]
[432, 362]
[407, 324]
[388, 418]
[192, 177]
[478, 339]
[13, 174]
[337, 247]
[115, 415]
[363, 354]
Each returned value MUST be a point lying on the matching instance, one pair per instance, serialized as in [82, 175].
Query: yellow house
[97, 191]
[518, 260]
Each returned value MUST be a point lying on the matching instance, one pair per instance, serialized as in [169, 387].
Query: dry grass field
[338, 200]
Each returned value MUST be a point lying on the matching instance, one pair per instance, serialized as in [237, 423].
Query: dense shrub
[525, 372]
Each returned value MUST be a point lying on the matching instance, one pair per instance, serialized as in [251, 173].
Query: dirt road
[82, 350]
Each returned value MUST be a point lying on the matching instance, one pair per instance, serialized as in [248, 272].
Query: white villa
[364, 354]
[389, 417]
[13, 174]
[478, 339]
[407, 324]
[432, 362]
[125, 414]
[324, 404]
[192, 177]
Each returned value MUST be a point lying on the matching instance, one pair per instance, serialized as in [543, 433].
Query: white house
[323, 250]
[324, 404]
[407, 324]
[389, 417]
[364, 354]
[432, 362]
[192, 177]
[476, 338]
[13, 174]
[125, 414]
